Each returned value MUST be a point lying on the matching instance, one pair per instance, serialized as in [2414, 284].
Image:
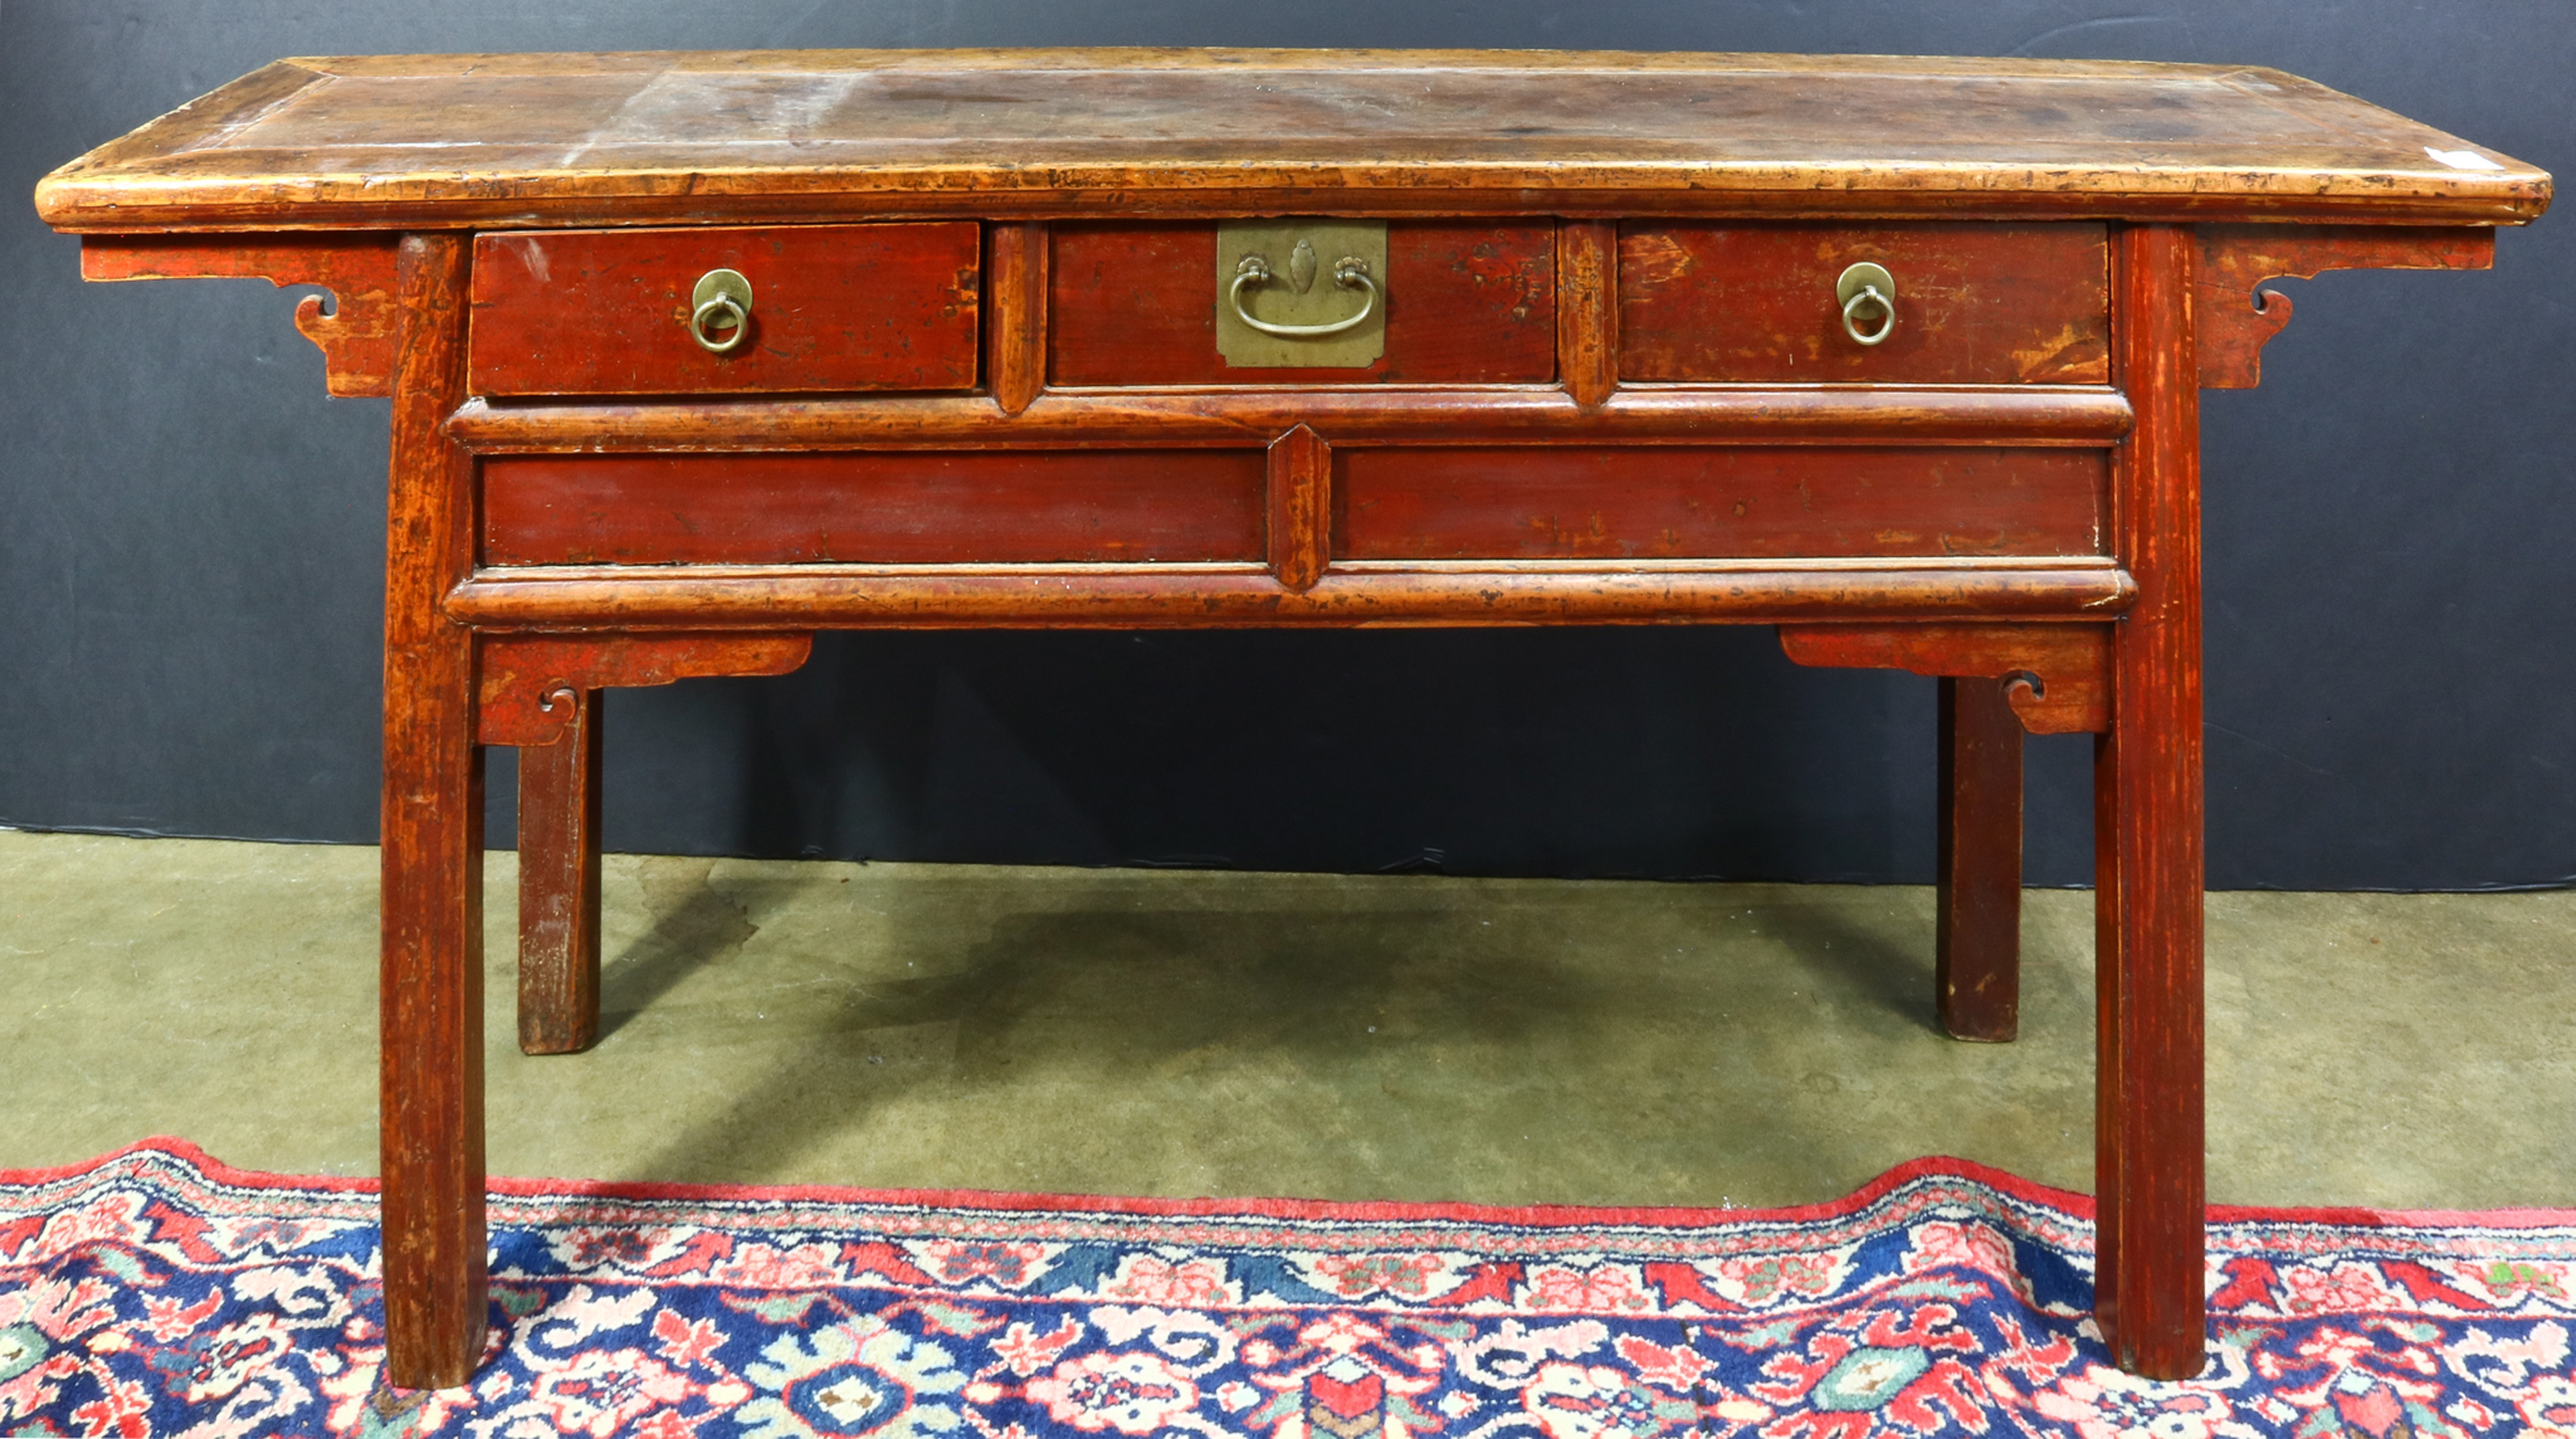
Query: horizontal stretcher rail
[2016, 415]
[1212, 596]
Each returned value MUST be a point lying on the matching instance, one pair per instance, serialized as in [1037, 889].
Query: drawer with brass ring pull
[1920, 303]
[775, 310]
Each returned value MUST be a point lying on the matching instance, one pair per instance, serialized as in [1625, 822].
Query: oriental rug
[158, 1292]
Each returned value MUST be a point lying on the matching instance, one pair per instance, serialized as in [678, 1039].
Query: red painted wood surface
[899, 507]
[1975, 304]
[2057, 677]
[1531, 415]
[559, 882]
[2235, 320]
[1976, 977]
[431, 993]
[1466, 303]
[834, 307]
[358, 338]
[1672, 502]
[1213, 596]
[1587, 309]
[1301, 475]
[2147, 817]
[1015, 269]
[523, 677]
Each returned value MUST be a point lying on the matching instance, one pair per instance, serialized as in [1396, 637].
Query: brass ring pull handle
[1348, 272]
[1861, 286]
[721, 295]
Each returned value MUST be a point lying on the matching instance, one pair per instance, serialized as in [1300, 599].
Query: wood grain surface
[1218, 596]
[559, 799]
[1675, 502]
[834, 307]
[551, 140]
[2057, 677]
[431, 987]
[2235, 319]
[2150, 1144]
[358, 335]
[1976, 925]
[906, 507]
[1466, 303]
[2021, 415]
[1975, 304]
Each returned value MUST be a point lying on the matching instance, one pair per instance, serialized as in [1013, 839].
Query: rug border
[2078, 1205]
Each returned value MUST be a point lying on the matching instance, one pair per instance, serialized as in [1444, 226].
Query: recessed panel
[973, 507]
[1709, 502]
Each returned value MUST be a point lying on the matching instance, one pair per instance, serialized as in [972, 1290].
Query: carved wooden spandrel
[2059, 674]
[530, 685]
[357, 335]
[2236, 320]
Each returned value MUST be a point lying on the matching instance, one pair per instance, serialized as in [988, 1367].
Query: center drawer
[1467, 302]
[828, 308]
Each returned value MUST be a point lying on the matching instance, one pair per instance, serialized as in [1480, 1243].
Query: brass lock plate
[1303, 281]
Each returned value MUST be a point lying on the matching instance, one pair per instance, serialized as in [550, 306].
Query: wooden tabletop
[539, 140]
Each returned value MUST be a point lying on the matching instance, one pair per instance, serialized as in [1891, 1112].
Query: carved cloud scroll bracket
[2059, 674]
[2236, 320]
[358, 334]
[530, 682]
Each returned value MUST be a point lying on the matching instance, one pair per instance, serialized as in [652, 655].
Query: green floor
[1173, 1033]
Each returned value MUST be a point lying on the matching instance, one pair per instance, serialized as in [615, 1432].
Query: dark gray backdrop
[191, 536]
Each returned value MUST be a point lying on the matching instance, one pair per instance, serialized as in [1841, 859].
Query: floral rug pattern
[159, 1293]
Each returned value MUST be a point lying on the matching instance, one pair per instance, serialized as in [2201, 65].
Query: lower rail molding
[1106, 597]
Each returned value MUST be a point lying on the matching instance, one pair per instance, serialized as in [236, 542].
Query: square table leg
[1977, 969]
[432, 995]
[2148, 1126]
[559, 883]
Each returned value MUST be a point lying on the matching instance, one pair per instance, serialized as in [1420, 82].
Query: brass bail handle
[724, 297]
[1349, 272]
[1862, 286]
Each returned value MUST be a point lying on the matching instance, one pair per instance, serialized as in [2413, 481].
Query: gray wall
[190, 537]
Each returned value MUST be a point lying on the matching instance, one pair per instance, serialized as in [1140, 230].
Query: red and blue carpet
[157, 1292]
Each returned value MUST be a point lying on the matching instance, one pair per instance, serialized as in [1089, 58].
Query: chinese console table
[693, 355]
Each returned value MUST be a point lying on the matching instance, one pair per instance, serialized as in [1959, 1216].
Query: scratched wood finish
[1301, 476]
[1210, 596]
[559, 797]
[2148, 1126]
[522, 679]
[2057, 677]
[1587, 310]
[2235, 319]
[834, 307]
[359, 336]
[2022, 416]
[1015, 276]
[570, 139]
[1707, 159]
[1677, 502]
[1975, 304]
[1466, 303]
[901, 507]
[432, 986]
[1976, 968]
